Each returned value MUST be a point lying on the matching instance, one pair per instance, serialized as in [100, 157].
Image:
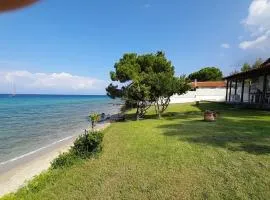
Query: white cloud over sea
[258, 24]
[49, 83]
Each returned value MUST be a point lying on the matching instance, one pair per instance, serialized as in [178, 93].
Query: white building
[214, 91]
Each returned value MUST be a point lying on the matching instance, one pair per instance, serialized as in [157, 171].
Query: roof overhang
[263, 69]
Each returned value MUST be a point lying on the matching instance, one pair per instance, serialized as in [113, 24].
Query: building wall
[201, 94]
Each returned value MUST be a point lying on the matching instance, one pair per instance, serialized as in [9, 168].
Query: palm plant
[94, 118]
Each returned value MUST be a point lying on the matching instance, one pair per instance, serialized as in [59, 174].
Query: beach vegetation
[85, 146]
[65, 159]
[88, 144]
[146, 80]
[94, 118]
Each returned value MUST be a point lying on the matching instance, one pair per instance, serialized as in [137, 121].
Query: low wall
[205, 94]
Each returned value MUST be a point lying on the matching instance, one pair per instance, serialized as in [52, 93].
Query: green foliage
[163, 86]
[94, 118]
[245, 67]
[147, 78]
[114, 92]
[88, 144]
[84, 146]
[207, 74]
[126, 69]
[65, 159]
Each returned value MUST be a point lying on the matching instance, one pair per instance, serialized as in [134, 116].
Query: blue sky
[69, 46]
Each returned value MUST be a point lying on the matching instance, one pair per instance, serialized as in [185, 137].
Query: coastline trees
[146, 80]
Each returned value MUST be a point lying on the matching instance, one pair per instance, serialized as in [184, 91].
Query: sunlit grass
[177, 157]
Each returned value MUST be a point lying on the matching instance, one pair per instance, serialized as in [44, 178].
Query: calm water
[29, 122]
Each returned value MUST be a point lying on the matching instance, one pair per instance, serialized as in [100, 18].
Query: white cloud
[62, 83]
[261, 42]
[225, 46]
[258, 23]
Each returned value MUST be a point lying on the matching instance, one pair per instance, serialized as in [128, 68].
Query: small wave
[35, 151]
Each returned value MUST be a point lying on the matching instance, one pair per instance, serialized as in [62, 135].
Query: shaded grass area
[236, 130]
[177, 157]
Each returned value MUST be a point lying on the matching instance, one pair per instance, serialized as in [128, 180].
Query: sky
[69, 47]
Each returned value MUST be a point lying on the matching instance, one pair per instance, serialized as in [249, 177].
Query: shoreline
[15, 173]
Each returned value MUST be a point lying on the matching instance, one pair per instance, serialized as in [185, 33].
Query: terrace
[251, 88]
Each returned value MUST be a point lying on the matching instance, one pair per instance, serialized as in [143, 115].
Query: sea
[32, 122]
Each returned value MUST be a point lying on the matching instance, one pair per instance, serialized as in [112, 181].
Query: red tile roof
[209, 84]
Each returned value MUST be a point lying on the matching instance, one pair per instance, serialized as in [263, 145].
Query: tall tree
[134, 92]
[207, 74]
[148, 79]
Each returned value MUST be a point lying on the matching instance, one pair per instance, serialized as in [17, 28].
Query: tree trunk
[93, 125]
[165, 104]
[158, 110]
[137, 112]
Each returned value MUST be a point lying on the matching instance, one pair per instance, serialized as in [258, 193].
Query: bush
[64, 160]
[84, 146]
[87, 144]
[94, 118]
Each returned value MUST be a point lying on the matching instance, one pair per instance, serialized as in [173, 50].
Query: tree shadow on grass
[165, 116]
[236, 131]
[253, 148]
[231, 109]
[132, 117]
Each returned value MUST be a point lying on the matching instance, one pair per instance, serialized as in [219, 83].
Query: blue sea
[30, 122]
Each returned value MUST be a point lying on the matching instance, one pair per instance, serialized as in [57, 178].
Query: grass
[177, 157]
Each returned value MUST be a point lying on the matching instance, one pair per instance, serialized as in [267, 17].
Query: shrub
[64, 160]
[87, 144]
[84, 146]
[94, 118]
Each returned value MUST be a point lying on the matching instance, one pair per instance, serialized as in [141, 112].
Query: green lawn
[178, 157]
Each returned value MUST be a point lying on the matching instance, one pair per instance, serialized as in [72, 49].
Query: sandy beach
[15, 173]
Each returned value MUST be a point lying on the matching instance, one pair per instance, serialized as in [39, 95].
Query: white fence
[203, 94]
